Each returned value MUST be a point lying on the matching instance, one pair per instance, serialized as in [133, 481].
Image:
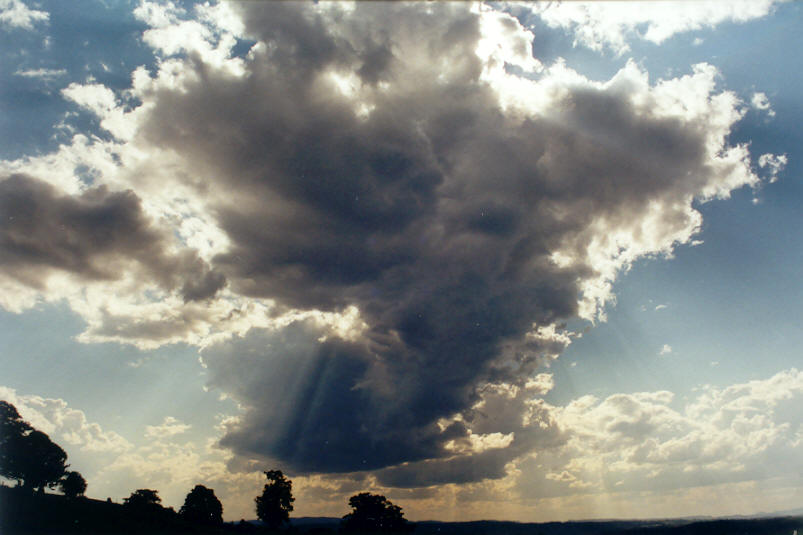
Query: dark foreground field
[40, 514]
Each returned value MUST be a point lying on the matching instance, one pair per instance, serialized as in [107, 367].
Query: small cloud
[47, 74]
[761, 102]
[169, 427]
[137, 363]
[665, 350]
[573, 365]
[774, 164]
[695, 243]
[697, 41]
[714, 363]
[661, 307]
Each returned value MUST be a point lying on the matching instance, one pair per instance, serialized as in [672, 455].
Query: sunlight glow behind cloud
[380, 224]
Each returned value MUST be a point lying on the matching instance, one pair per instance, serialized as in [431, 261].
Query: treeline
[30, 458]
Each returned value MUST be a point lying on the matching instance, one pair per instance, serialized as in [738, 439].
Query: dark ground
[50, 514]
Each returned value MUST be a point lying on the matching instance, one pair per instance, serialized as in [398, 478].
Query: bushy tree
[276, 502]
[11, 423]
[73, 484]
[44, 461]
[201, 506]
[372, 513]
[144, 508]
[13, 429]
[143, 499]
[28, 455]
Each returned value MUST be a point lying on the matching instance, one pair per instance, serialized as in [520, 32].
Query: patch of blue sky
[733, 302]
[129, 388]
[101, 42]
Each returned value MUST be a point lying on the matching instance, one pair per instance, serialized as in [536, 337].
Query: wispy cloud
[46, 74]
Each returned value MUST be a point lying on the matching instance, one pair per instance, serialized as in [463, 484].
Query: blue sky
[245, 237]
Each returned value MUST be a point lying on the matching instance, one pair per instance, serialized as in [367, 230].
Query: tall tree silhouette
[201, 506]
[73, 485]
[372, 513]
[43, 461]
[276, 502]
[12, 431]
[28, 455]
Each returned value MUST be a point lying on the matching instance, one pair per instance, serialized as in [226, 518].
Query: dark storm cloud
[435, 213]
[94, 235]
[321, 419]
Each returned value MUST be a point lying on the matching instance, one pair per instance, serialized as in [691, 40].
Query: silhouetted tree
[201, 506]
[28, 455]
[41, 461]
[11, 423]
[276, 502]
[143, 498]
[13, 430]
[374, 513]
[144, 507]
[73, 484]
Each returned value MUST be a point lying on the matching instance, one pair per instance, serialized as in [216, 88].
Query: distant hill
[681, 526]
[774, 526]
[316, 520]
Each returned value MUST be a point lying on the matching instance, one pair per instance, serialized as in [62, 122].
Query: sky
[509, 260]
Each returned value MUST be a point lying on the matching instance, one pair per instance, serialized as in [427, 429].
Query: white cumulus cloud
[613, 25]
[16, 14]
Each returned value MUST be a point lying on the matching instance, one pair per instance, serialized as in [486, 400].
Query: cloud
[648, 442]
[114, 466]
[15, 14]
[652, 450]
[614, 25]
[66, 426]
[46, 74]
[760, 101]
[168, 428]
[773, 163]
[451, 239]
[322, 419]
[401, 222]
[665, 349]
[97, 235]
